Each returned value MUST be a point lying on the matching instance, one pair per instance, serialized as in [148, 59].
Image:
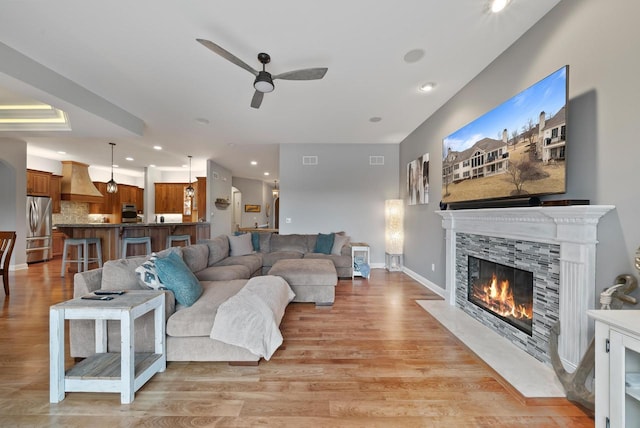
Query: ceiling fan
[264, 80]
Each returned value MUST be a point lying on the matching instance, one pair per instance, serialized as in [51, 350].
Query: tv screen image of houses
[516, 150]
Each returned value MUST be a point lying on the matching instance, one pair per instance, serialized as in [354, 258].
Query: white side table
[359, 250]
[123, 372]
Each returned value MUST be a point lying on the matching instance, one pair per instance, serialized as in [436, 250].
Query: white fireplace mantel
[574, 228]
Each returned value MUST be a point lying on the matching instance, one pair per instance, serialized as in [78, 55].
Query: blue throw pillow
[176, 276]
[324, 243]
[255, 241]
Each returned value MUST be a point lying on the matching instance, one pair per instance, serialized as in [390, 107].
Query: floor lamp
[394, 234]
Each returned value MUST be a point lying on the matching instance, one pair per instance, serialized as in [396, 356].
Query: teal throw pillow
[176, 276]
[324, 243]
[255, 241]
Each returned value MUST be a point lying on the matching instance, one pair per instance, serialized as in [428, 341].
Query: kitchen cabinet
[38, 183]
[617, 375]
[54, 188]
[57, 244]
[169, 198]
[112, 202]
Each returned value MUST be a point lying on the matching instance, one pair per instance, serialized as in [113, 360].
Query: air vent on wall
[309, 160]
[376, 160]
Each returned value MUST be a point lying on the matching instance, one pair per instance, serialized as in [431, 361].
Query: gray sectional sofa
[221, 275]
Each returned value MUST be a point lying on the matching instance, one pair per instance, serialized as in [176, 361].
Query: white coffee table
[124, 372]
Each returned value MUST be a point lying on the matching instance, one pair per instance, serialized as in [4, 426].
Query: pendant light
[112, 186]
[190, 191]
[275, 191]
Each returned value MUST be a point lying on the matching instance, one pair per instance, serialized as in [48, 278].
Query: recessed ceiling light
[129, 158]
[498, 5]
[152, 166]
[414, 55]
[115, 166]
[266, 173]
[375, 119]
[157, 147]
[254, 163]
[184, 166]
[62, 153]
[427, 87]
[202, 121]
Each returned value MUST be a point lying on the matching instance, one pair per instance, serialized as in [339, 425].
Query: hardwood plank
[373, 359]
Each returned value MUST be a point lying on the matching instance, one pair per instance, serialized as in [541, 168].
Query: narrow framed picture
[251, 208]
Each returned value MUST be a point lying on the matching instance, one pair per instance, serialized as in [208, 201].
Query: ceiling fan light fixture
[263, 82]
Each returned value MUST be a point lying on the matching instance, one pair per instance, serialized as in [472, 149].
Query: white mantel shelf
[574, 228]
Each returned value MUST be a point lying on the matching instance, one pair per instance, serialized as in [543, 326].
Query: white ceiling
[133, 63]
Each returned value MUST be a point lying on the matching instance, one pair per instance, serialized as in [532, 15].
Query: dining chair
[7, 241]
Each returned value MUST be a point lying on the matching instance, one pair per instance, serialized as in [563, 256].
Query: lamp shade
[394, 226]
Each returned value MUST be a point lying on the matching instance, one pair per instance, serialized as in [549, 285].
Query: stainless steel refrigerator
[38, 229]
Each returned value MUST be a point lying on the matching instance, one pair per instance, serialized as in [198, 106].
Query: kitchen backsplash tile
[72, 212]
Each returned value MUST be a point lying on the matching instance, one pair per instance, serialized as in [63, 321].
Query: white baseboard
[426, 283]
[21, 266]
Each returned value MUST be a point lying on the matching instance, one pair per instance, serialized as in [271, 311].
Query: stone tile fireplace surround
[557, 243]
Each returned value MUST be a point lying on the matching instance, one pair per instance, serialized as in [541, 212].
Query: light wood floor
[373, 359]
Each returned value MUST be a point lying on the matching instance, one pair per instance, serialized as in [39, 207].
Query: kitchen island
[112, 235]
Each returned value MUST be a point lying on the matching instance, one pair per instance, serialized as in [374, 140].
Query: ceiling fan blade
[257, 99]
[227, 55]
[305, 74]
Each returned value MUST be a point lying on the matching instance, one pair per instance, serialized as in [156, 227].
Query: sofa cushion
[197, 320]
[196, 256]
[338, 242]
[218, 249]
[252, 261]
[269, 259]
[324, 243]
[240, 245]
[265, 241]
[223, 273]
[121, 275]
[289, 243]
[338, 261]
[176, 276]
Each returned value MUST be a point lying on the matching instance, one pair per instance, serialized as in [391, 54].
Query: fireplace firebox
[503, 291]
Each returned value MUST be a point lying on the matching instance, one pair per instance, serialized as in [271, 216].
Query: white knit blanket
[251, 318]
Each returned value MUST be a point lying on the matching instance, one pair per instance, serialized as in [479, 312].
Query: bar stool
[83, 259]
[142, 240]
[178, 238]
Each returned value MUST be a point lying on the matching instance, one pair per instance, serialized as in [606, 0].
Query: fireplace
[503, 291]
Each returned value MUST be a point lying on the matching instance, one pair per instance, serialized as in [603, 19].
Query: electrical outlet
[287, 220]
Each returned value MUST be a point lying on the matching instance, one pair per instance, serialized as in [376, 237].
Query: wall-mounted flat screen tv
[516, 150]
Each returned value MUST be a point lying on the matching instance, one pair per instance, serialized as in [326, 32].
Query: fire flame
[498, 296]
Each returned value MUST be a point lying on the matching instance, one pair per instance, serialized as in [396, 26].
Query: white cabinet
[617, 376]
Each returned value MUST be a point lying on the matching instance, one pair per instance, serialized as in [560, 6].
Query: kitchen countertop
[91, 225]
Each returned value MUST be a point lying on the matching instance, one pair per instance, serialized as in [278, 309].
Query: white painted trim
[21, 266]
[426, 283]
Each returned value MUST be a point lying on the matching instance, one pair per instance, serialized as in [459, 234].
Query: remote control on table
[108, 293]
[97, 298]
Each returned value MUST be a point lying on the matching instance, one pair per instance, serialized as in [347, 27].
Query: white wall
[13, 194]
[599, 42]
[218, 186]
[253, 193]
[342, 193]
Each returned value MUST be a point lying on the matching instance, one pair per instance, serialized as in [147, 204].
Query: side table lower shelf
[102, 372]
